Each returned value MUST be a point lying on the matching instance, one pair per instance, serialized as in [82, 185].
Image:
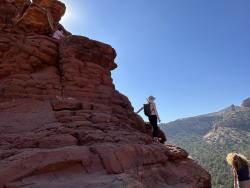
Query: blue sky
[192, 55]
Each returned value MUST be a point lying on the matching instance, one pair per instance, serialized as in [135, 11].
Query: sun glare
[76, 15]
[69, 14]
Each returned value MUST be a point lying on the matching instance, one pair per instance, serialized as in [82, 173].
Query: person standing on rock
[241, 168]
[58, 34]
[150, 110]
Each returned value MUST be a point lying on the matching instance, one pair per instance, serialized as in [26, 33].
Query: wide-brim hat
[151, 97]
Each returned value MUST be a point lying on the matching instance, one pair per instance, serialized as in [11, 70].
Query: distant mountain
[208, 138]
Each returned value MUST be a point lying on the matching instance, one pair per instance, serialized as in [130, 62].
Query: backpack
[147, 110]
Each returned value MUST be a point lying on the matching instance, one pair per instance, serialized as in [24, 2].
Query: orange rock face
[63, 123]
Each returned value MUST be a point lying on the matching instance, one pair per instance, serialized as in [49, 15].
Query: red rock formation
[161, 135]
[62, 122]
[11, 11]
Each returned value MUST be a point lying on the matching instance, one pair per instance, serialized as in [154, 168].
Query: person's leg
[150, 120]
[153, 122]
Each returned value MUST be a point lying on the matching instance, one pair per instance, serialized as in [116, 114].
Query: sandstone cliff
[62, 123]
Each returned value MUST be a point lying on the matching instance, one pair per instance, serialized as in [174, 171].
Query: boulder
[54, 7]
[38, 16]
[35, 19]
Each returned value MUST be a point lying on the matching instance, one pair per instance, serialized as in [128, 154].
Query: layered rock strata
[63, 123]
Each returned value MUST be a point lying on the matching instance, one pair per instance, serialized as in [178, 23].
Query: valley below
[209, 138]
